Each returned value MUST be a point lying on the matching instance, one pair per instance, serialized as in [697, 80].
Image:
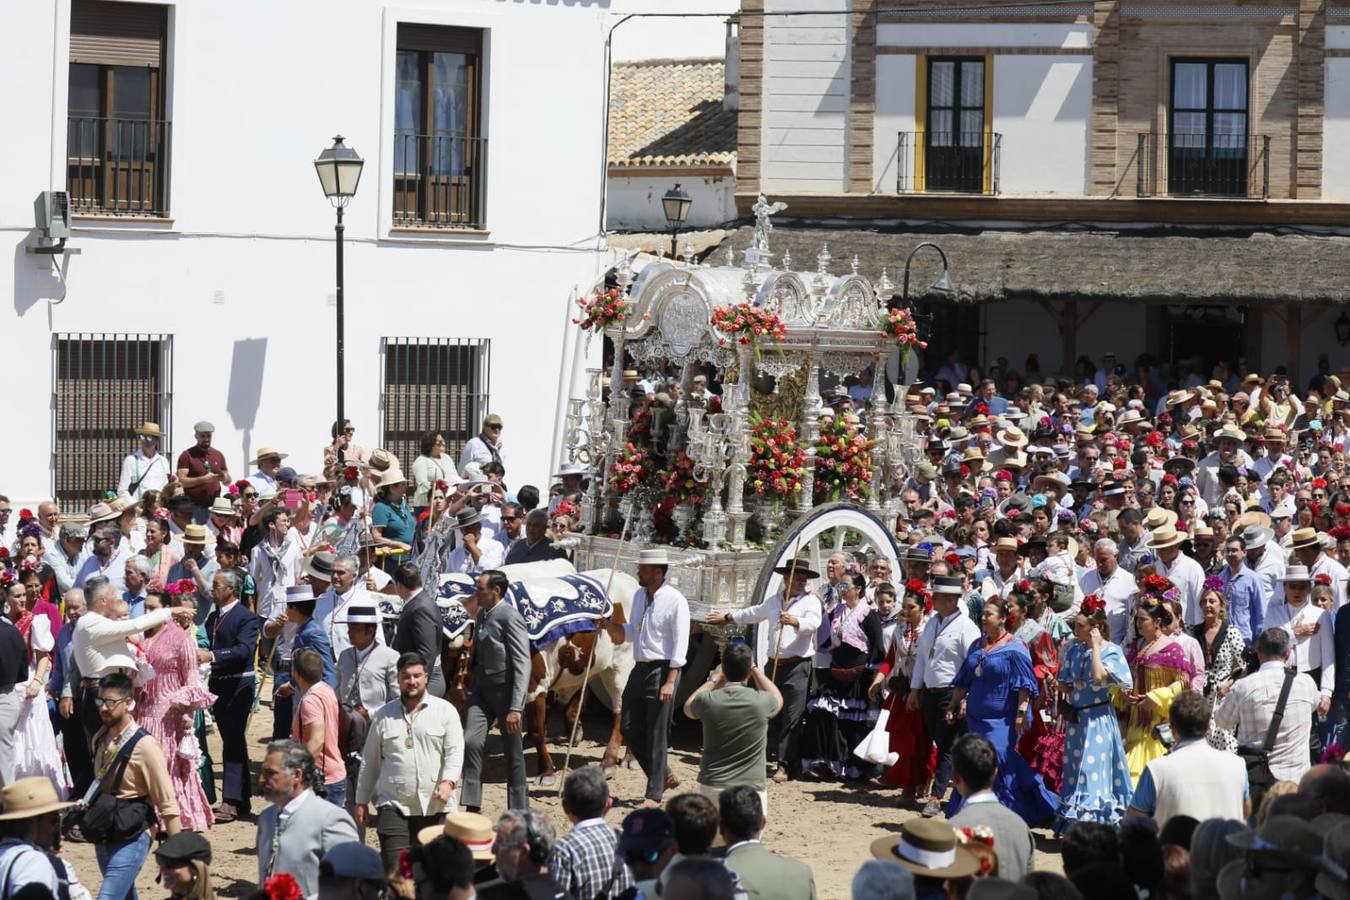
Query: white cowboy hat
[653, 557]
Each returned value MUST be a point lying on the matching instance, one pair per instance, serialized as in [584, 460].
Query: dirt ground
[828, 826]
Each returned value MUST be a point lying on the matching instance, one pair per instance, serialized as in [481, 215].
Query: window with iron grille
[117, 136]
[104, 387]
[432, 384]
[440, 154]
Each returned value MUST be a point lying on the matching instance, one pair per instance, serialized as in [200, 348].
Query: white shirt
[1269, 568]
[994, 584]
[1311, 651]
[152, 474]
[659, 629]
[791, 642]
[22, 864]
[491, 554]
[476, 451]
[394, 775]
[942, 647]
[1120, 592]
[1250, 705]
[272, 590]
[1189, 578]
[331, 613]
[115, 571]
[99, 644]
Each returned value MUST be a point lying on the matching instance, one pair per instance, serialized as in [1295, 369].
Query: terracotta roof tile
[668, 112]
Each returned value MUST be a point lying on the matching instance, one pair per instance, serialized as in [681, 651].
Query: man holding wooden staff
[791, 649]
[659, 632]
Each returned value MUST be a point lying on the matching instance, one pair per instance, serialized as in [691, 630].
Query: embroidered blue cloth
[551, 607]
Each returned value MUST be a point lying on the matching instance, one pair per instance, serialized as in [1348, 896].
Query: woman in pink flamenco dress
[164, 708]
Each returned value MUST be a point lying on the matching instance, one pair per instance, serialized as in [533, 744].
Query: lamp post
[944, 281]
[676, 204]
[339, 170]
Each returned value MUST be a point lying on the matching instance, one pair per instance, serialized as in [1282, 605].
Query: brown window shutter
[439, 38]
[116, 34]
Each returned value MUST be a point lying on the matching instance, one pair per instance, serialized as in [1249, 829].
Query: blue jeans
[120, 863]
[337, 793]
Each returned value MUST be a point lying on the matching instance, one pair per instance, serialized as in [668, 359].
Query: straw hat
[1304, 537]
[1230, 432]
[28, 798]
[800, 566]
[655, 556]
[391, 475]
[102, 512]
[1252, 519]
[1158, 517]
[266, 453]
[1006, 543]
[150, 429]
[1012, 436]
[1176, 398]
[197, 536]
[928, 848]
[1165, 537]
[473, 830]
[221, 506]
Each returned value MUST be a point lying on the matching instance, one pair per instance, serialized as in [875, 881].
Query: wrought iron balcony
[440, 180]
[958, 162]
[118, 166]
[1203, 165]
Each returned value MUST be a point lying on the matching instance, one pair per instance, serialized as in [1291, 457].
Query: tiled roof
[668, 112]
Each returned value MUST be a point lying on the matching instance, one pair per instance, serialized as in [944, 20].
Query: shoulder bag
[108, 818]
[1259, 776]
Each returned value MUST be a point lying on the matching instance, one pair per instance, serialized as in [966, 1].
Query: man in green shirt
[735, 719]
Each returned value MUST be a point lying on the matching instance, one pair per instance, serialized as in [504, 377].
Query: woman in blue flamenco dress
[993, 692]
[1096, 785]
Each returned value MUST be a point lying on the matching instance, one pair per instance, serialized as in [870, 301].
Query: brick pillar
[1105, 97]
[862, 104]
[751, 115]
[1311, 66]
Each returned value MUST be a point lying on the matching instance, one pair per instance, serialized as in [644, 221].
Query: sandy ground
[828, 826]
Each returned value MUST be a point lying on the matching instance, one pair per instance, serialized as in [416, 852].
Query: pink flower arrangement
[602, 309]
[181, 586]
[629, 469]
[777, 462]
[843, 462]
[679, 482]
[746, 324]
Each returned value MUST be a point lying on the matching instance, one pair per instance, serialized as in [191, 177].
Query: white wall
[894, 114]
[1336, 131]
[1031, 34]
[251, 226]
[807, 71]
[1043, 109]
[668, 36]
[635, 201]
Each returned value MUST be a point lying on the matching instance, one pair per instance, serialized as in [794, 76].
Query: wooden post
[1293, 340]
[1068, 337]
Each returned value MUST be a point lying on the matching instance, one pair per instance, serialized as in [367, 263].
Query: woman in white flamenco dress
[35, 746]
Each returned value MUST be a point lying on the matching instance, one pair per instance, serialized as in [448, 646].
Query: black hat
[182, 847]
[646, 830]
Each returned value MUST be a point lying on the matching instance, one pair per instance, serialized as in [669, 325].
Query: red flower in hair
[441, 486]
[4, 553]
[25, 515]
[351, 474]
[1157, 584]
[1092, 603]
[1322, 578]
[1318, 483]
[917, 586]
[282, 887]
[1169, 478]
[1154, 439]
[1024, 586]
[952, 559]
[1340, 533]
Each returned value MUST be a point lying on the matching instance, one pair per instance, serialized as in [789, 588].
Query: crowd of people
[1118, 612]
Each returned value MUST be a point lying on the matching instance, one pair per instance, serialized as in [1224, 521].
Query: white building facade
[203, 285]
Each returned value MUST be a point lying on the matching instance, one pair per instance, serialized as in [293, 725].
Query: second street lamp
[944, 281]
[339, 170]
[675, 203]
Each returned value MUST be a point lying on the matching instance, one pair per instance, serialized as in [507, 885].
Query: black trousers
[396, 832]
[76, 747]
[645, 722]
[86, 710]
[933, 703]
[234, 702]
[793, 679]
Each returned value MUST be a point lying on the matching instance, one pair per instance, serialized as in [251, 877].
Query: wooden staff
[787, 589]
[586, 676]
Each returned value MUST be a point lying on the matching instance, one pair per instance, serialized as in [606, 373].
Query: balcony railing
[1200, 165]
[118, 166]
[958, 162]
[440, 180]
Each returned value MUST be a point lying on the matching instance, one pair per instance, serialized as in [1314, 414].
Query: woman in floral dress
[1160, 674]
[1045, 663]
[1221, 643]
[1096, 786]
[913, 771]
[165, 707]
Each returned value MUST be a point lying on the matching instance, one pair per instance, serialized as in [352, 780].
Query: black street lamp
[944, 281]
[676, 204]
[339, 169]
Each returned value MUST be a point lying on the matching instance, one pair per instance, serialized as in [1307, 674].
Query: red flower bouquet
[746, 324]
[679, 482]
[602, 309]
[777, 463]
[282, 887]
[843, 462]
[630, 469]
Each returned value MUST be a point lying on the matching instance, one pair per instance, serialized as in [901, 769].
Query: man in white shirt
[1266, 560]
[1309, 628]
[1194, 779]
[274, 563]
[411, 762]
[346, 591]
[367, 675]
[1306, 546]
[1249, 707]
[659, 633]
[268, 462]
[486, 447]
[28, 854]
[1114, 585]
[476, 551]
[108, 559]
[146, 469]
[1007, 569]
[791, 647]
[1183, 571]
[942, 648]
[1229, 440]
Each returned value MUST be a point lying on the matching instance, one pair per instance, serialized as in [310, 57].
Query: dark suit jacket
[1340, 627]
[234, 639]
[420, 629]
[501, 652]
[522, 552]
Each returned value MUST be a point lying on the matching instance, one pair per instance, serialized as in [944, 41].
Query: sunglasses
[109, 702]
[349, 431]
[250, 495]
